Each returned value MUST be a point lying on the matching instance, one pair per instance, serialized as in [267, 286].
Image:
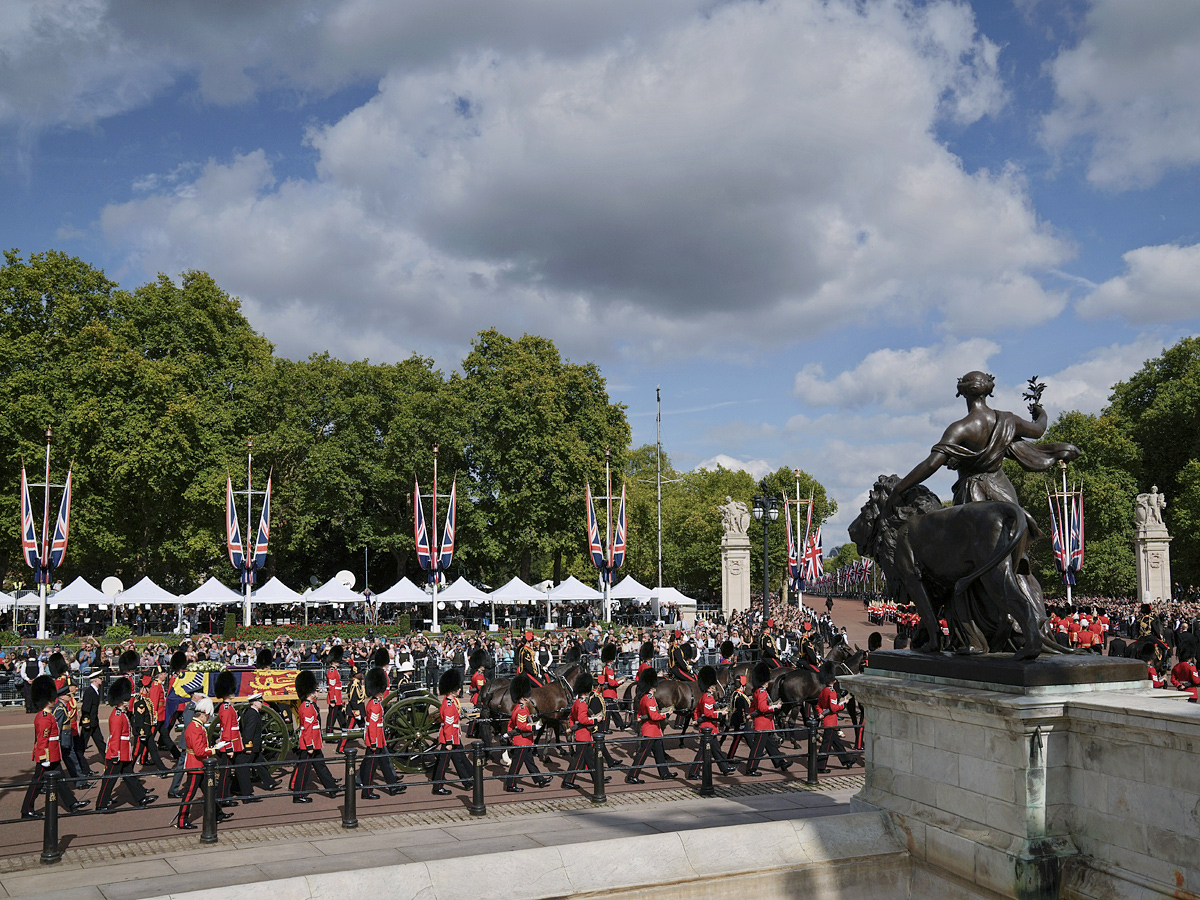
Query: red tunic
[764, 716]
[333, 679]
[520, 723]
[648, 710]
[706, 713]
[310, 727]
[830, 706]
[118, 737]
[46, 739]
[158, 699]
[477, 683]
[450, 731]
[643, 667]
[195, 736]
[608, 681]
[581, 716]
[374, 728]
[231, 730]
[1184, 675]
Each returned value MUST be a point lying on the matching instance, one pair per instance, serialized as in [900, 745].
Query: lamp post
[766, 510]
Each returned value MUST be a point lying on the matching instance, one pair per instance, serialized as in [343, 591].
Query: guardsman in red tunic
[581, 725]
[1184, 676]
[478, 662]
[450, 734]
[609, 683]
[47, 752]
[521, 728]
[333, 694]
[708, 721]
[645, 658]
[308, 743]
[158, 702]
[829, 704]
[195, 742]
[233, 749]
[762, 740]
[118, 757]
[376, 758]
[650, 718]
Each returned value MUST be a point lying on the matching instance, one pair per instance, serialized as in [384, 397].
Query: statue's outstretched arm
[923, 470]
[1035, 429]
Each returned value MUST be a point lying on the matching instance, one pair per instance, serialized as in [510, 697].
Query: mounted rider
[678, 660]
[767, 650]
[527, 661]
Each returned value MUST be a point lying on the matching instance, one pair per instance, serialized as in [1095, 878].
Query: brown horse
[550, 702]
[676, 694]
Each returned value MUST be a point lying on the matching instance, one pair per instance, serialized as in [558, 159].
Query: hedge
[321, 632]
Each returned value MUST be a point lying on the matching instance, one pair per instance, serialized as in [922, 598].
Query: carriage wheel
[277, 741]
[410, 727]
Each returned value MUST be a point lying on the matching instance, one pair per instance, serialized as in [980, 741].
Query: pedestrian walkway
[246, 856]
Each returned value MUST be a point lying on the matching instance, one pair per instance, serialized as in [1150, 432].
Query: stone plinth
[735, 572]
[1153, 553]
[1071, 790]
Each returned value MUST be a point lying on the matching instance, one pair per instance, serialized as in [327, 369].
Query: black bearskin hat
[450, 681]
[608, 653]
[520, 688]
[179, 661]
[646, 653]
[827, 676]
[56, 664]
[42, 691]
[689, 651]
[1147, 652]
[119, 691]
[584, 684]
[727, 649]
[225, 685]
[375, 682]
[128, 661]
[1145, 609]
[306, 684]
[647, 680]
[336, 653]
[761, 674]
[265, 658]
[874, 640]
[479, 659]
[707, 676]
[381, 657]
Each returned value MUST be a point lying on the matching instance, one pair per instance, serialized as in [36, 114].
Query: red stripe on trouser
[189, 791]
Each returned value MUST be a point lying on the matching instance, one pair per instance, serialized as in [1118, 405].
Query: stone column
[735, 572]
[1152, 549]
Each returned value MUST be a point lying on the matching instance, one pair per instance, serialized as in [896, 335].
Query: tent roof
[276, 592]
[671, 595]
[629, 589]
[78, 593]
[212, 591]
[516, 591]
[333, 591]
[403, 591]
[463, 590]
[145, 591]
[574, 589]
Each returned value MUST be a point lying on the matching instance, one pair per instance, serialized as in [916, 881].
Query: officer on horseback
[527, 661]
[677, 659]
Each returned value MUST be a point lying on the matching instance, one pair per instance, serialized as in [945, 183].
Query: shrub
[451, 629]
[116, 633]
[9, 639]
[231, 625]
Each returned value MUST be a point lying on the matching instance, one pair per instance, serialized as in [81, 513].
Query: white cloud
[1160, 284]
[760, 172]
[758, 468]
[1127, 91]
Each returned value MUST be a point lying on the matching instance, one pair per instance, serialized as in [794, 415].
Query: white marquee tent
[79, 593]
[145, 591]
[686, 605]
[333, 591]
[404, 591]
[516, 592]
[275, 592]
[628, 588]
[212, 592]
[574, 590]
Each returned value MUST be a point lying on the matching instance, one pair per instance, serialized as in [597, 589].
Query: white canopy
[211, 592]
[574, 590]
[404, 591]
[145, 591]
[629, 589]
[671, 595]
[78, 593]
[275, 592]
[463, 590]
[333, 591]
[516, 592]
[685, 604]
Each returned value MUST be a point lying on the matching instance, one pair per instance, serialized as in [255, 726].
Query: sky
[803, 220]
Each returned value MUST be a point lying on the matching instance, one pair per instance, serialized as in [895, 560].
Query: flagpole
[1066, 536]
[607, 572]
[799, 591]
[43, 579]
[250, 536]
[433, 546]
[658, 400]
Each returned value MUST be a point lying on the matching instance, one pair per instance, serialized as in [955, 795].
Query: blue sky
[803, 220]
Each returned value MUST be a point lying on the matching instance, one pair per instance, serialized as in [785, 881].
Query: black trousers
[241, 775]
[95, 735]
[66, 796]
[583, 760]
[336, 716]
[355, 722]
[832, 742]
[313, 760]
[145, 750]
[191, 786]
[133, 784]
[377, 760]
[453, 753]
[724, 766]
[645, 748]
[612, 713]
[261, 770]
[522, 755]
[763, 743]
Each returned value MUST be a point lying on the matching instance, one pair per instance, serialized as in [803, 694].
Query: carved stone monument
[735, 556]
[1152, 547]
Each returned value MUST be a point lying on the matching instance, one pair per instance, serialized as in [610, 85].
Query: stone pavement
[246, 856]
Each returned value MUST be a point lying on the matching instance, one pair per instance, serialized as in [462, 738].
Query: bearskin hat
[520, 688]
[827, 676]
[225, 685]
[761, 674]
[707, 676]
[608, 653]
[179, 661]
[689, 650]
[119, 691]
[56, 664]
[375, 682]
[450, 682]
[128, 661]
[647, 680]
[1146, 652]
[479, 659]
[381, 657]
[42, 691]
[584, 684]
[646, 653]
[265, 658]
[1145, 609]
[306, 684]
[335, 654]
[874, 640]
[727, 649]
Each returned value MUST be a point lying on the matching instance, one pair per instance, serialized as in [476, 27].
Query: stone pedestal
[735, 572]
[1153, 553]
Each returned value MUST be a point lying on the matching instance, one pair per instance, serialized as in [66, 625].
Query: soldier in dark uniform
[527, 661]
[356, 705]
[739, 713]
[144, 722]
[89, 713]
[252, 738]
[767, 651]
[677, 659]
[1148, 624]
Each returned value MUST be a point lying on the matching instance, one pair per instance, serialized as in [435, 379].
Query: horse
[675, 694]
[551, 703]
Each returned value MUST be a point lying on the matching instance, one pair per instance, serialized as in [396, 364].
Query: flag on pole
[62, 526]
[595, 547]
[618, 546]
[812, 557]
[233, 533]
[29, 541]
[447, 554]
[793, 563]
[424, 554]
[1076, 560]
[264, 530]
[1058, 543]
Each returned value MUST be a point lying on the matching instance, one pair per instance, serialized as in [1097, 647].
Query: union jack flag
[617, 554]
[264, 530]
[812, 557]
[421, 535]
[233, 532]
[793, 563]
[62, 526]
[447, 554]
[29, 541]
[595, 547]
[1076, 559]
[1058, 544]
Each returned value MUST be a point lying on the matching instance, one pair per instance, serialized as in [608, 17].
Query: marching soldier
[47, 750]
[650, 720]
[89, 713]
[677, 659]
[645, 658]
[450, 734]
[521, 728]
[376, 758]
[739, 718]
[233, 750]
[763, 742]
[252, 730]
[608, 686]
[829, 704]
[707, 721]
[158, 702]
[119, 757]
[195, 742]
[333, 696]
[144, 724]
[308, 747]
[527, 661]
[356, 705]
[478, 662]
[581, 724]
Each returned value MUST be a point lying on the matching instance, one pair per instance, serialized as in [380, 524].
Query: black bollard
[598, 795]
[706, 763]
[350, 803]
[50, 851]
[478, 805]
[813, 727]
[208, 834]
